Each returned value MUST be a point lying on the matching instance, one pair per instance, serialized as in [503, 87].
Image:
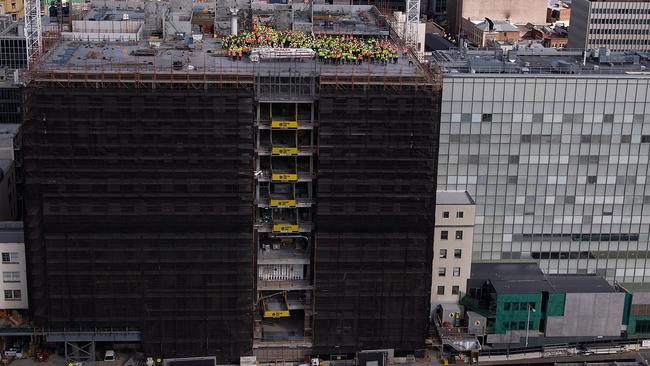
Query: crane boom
[33, 31]
[412, 19]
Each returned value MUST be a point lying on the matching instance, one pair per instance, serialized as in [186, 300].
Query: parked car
[109, 355]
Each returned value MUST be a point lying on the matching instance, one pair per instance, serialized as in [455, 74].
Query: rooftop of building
[454, 198]
[111, 48]
[488, 25]
[518, 277]
[11, 232]
[181, 58]
[559, 4]
[8, 131]
[544, 61]
[635, 287]
[107, 14]
[579, 283]
[506, 271]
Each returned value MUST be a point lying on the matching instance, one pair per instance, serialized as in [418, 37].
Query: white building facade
[452, 246]
[13, 288]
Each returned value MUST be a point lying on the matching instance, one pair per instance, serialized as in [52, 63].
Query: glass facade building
[558, 166]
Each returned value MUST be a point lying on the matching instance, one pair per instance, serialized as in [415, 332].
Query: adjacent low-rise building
[523, 306]
[483, 32]
[453, 237]
[515, 11]
[558, 11]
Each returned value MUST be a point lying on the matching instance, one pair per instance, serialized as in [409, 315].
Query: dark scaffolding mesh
[375, 193]
[139, 214]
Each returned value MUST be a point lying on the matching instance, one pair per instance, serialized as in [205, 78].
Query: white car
[109, 355]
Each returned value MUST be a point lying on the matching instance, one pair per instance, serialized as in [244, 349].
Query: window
[455, 290]
[458, 253]
[459, 234]
[12, 294]
[441, 290]
[506, 306]
[643, 326]
[456, 271]
[444, 235]
[592, 179]
[531, 305]
[445, 215]
[645, 138]
[515, 306]
[442, 272]
[443, 253]
[460, 214]
[10, 276]
[11, 257]
[486, 117]
[522, 324]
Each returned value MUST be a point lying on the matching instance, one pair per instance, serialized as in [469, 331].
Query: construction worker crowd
[330, 49]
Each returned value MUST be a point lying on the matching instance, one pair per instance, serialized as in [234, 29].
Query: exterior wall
[552, 163]
[8, 199]
[562, 15]
[635, 320]
[555, 304]
[556, 42]
[473, 34]
[580, 14]
[587, 315]
[437, 7]
[10, 102]
[451, 225]
[517, 11]
[129, 195]
[500, 37]
[15, 8]
[14, 272]
[513, 317]
[375, 218]
[639, 311]
[106, 30]
[617, 25]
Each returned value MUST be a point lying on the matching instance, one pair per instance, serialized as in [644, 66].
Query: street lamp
[528, 323]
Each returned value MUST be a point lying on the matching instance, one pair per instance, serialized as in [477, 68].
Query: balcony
[266, 124]
[283, 176]
[280, 150]
[278, 201]
[283, 227]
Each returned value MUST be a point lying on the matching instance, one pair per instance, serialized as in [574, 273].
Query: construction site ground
[57, 360]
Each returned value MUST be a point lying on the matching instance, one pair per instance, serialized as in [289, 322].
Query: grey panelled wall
[558, 166]
[579, 320]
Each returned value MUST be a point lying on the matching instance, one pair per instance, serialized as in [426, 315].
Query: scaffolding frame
[112, 110]
[169, 209]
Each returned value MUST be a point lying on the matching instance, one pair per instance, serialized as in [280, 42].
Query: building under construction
[205, 206]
